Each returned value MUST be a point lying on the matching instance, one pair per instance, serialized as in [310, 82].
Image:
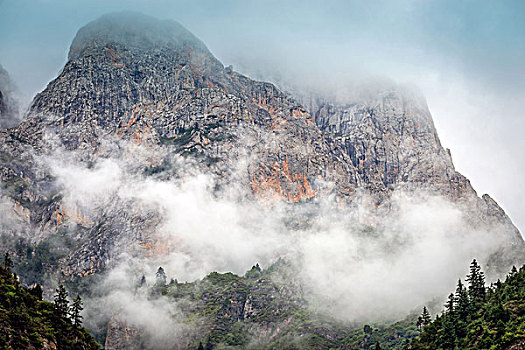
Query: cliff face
[167, 89]
[157, 87]
[392, 142]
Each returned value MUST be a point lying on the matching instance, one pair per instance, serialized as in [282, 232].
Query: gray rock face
[155, 85]
[173, 95]
[391, 140]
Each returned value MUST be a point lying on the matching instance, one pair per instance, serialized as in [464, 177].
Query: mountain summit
[133, 31]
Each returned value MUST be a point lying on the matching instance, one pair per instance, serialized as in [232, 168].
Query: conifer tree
[61, 302]
[37, 291]
[448, 336]
[200, 346]
[419, 324]
[161, 277]
[476, 289]
[449, 306]
[75, 310]
[462, 302]
[8, 263]
[425, 317]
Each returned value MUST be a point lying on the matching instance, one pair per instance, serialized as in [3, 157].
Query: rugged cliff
[392, 141]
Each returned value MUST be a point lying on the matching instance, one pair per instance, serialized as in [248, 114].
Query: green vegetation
[478, 317]
[475, 317]
[28, 322]
[388, 336]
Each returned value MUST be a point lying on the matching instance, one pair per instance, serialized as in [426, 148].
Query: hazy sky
[468, 57]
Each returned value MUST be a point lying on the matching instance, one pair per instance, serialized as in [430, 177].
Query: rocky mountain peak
[133, 31]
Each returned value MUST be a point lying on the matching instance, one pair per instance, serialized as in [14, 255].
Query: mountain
[173, 94]
[143, 100]
[9, 105]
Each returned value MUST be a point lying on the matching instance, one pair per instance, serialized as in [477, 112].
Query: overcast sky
[468, 58]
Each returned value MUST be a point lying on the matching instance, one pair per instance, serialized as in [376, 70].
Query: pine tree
[419, 324]
[200, 346]
[75, 310]
[462, 302]
[476, 289]
[36, 291]
[161, 277]
[8, 263]
[425, 317]
[448, 336]
[449, 306]
[61, 302]
[378, 346]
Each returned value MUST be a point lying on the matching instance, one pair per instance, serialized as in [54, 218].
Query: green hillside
[28, 322]
[476, 317]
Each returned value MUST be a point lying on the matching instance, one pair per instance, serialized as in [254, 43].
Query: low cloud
[357, 263]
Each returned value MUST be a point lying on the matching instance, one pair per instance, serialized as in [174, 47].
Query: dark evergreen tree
[419, 324]
[75, 310]
[462, 302]
[378, 346]
[161, 277]
[8, 263]
[425, 317]
[449, 306]
[476, 289]
[36, 291]
[448, 336]
[142, 281]
[61, 302]
[200, 346]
